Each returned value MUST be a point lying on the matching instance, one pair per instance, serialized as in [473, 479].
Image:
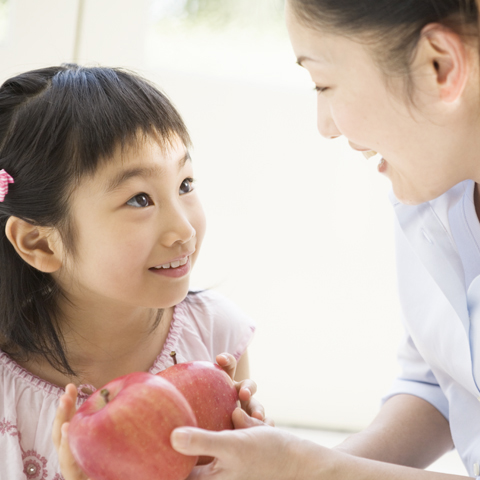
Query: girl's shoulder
[205, 324]
[216, 314]
[210, 302]
[20, 380]
[27, 409]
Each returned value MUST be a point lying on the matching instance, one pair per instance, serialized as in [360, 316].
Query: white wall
[39, 33]
[300, 229]
[300, 235]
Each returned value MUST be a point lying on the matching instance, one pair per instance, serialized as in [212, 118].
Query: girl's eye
[320, 89]
[141, 200]
[186, 186]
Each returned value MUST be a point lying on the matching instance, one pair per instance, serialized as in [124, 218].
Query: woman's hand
[258, 453]
[246, 389]
[66, 409]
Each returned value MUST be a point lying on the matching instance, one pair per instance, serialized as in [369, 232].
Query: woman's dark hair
[391, 27]
[56, 125]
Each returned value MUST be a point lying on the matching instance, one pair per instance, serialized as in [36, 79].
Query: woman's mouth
[382, 166]
[369, 153]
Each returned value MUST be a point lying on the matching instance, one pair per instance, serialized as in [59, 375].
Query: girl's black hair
[56, 125]
[391, 27]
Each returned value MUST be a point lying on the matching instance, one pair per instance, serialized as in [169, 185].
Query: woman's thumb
[195, 441]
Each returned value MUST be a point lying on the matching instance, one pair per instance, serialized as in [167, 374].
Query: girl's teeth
[176, 264]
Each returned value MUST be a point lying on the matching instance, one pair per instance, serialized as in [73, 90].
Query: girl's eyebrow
[143, 172]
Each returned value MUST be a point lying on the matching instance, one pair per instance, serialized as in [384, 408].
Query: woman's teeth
[177, 263]
[369, 154]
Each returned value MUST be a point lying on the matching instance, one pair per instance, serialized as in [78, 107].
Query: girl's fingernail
[248, 390]
[180, 439]
[224, 357]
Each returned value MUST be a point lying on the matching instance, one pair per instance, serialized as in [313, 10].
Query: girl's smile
[175, 269]
[140, 226]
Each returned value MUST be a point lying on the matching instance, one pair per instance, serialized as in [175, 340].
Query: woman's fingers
[241, 420]
[195, 441]
[254, 453]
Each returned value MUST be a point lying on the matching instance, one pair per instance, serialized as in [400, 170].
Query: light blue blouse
[440, 353]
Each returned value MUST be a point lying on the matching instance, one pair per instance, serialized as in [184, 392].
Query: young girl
[100, 228]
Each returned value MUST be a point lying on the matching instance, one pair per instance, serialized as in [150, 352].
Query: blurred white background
[300, 228]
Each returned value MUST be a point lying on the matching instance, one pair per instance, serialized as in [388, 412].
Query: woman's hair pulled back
[56, 125]
[391, 27]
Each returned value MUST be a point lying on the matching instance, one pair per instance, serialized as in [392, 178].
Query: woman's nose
[326, 125]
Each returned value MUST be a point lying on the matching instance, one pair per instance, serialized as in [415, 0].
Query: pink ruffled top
[203, 325]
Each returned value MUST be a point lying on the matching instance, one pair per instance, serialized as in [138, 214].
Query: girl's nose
[177, 229]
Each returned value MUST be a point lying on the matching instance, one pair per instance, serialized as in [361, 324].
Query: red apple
[210, 392]
[123, 430]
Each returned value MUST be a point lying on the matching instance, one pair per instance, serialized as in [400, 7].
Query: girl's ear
[444, 54]
[40, 247]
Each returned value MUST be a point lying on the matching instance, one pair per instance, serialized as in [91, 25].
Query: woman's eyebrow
[143, 172]
[302, 59]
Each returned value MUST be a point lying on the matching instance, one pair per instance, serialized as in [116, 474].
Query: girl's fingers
[245, 389]
[65, 412]
[254, 408]
[228, 363]
[68, 466]
[269, 421]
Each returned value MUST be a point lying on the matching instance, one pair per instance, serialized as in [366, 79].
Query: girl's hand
[66, 409]
[246, 389]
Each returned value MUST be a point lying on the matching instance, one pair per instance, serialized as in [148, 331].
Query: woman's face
[419, 143]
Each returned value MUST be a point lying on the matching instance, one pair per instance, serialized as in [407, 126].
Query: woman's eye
[186, 186]
[320, 89]
[140, 201]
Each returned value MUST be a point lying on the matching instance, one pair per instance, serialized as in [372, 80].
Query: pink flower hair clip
[5, 179]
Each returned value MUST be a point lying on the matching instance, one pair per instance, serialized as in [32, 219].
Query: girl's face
[138, 214]
[420, 146]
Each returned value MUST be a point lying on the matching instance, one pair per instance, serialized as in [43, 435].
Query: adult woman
[400, 78]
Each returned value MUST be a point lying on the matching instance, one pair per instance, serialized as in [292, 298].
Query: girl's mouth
[176, 269]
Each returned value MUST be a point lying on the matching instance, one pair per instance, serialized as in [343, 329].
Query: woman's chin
[415, 197]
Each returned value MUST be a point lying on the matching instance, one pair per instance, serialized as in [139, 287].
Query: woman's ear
[445, 56]
[40, 247]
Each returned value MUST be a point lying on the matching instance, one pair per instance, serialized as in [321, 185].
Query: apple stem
[174, 356]
[105, 393]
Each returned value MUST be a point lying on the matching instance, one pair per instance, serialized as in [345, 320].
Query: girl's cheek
[200, 225]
